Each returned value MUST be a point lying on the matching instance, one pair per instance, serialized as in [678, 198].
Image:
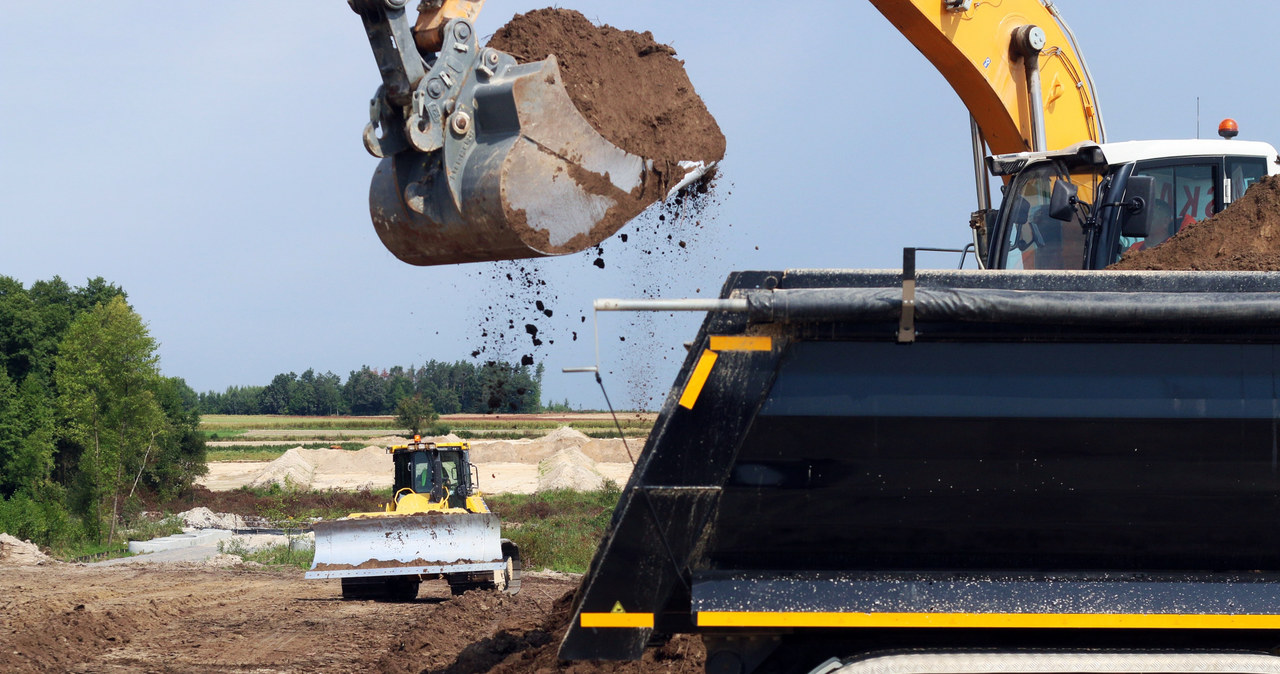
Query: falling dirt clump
[633, 90]
[1244, 237]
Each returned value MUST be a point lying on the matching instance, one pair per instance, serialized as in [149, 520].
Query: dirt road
[169, 618]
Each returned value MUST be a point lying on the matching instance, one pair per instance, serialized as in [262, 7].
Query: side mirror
[1062, 202]
[1138, 214]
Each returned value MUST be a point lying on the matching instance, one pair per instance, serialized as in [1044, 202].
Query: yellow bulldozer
[436, 526]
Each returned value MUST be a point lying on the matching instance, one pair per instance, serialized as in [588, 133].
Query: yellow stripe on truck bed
[698, 379]
[616, 620]
[727, 343]
[989, 620]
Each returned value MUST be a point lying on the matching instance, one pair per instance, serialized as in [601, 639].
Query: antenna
[1197, 118]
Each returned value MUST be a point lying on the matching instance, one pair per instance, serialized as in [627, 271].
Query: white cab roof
[1138, 150]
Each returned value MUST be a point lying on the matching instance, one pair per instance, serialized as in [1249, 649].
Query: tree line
[87, 420]
[447, 388]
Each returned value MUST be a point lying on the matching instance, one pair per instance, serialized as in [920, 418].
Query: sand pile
[292, 468]
[611, 450]
[17, 552]
[505, 465]
[569, 469]
[633, 90]
[1243, 237]
[203, 518]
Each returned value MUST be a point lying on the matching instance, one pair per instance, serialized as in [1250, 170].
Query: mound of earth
[204, 518]
[291, 468]
[500, 634]
[17, 552]
[569, 469]
[633, 90]
[1243, 237]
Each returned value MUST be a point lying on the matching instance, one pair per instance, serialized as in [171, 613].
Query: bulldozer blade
[420, 544]
[521, 174]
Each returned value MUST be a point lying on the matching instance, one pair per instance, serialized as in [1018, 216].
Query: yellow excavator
[437, 526]
[474, 147]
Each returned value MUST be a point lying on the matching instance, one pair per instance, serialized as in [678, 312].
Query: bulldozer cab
[435, 470]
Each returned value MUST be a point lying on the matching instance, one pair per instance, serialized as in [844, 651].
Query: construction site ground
[187, 618]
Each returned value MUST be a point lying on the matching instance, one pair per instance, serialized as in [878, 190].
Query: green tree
[106, 374]
[180, 457]
[328, 388]
[275, 397]
[415, 413]
[365, 392]
[26, 435]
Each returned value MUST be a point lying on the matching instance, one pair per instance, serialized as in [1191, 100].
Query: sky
[207, 158]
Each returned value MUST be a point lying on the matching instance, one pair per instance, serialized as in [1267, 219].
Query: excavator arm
[1014, 64]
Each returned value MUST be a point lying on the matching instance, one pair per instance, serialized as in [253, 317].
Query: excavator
[483, 158]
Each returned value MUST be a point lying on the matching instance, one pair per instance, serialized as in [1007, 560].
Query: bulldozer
[436, 526]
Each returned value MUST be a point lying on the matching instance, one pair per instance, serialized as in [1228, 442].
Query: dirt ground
[179, 618]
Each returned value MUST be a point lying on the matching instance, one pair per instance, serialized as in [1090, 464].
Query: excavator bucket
[530, 177]
[420, 544]
[487, 159]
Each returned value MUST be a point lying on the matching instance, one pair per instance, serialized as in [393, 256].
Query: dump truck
[965, 471]
[437, 526]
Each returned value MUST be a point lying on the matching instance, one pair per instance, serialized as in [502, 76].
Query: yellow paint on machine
[632, 620]
[989, 620]
[698, 379]
[728, 343]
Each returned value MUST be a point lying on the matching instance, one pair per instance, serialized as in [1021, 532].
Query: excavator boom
[983, 49]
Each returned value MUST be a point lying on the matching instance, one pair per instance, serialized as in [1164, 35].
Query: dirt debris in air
[659, 252]
[636, 93]
[1243, 237]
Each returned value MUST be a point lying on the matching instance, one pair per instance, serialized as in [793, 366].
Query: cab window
[1242, 173]
[1185, 193]
[422, 473]
[1034, 239]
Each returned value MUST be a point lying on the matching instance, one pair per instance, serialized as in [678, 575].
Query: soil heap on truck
[990, 471]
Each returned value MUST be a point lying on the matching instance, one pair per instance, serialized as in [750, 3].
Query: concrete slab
[188, 539]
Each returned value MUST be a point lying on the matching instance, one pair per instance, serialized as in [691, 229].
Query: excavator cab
[1113, 198]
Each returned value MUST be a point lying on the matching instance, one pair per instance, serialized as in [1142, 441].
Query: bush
[560, 529]
[40, 518]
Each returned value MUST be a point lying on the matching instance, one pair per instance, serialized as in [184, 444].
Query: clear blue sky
[207, 157]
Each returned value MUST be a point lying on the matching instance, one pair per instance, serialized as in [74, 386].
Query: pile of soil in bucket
[1243, 237]
[633, 90]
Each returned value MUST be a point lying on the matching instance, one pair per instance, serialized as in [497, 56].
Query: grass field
[224, 427]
